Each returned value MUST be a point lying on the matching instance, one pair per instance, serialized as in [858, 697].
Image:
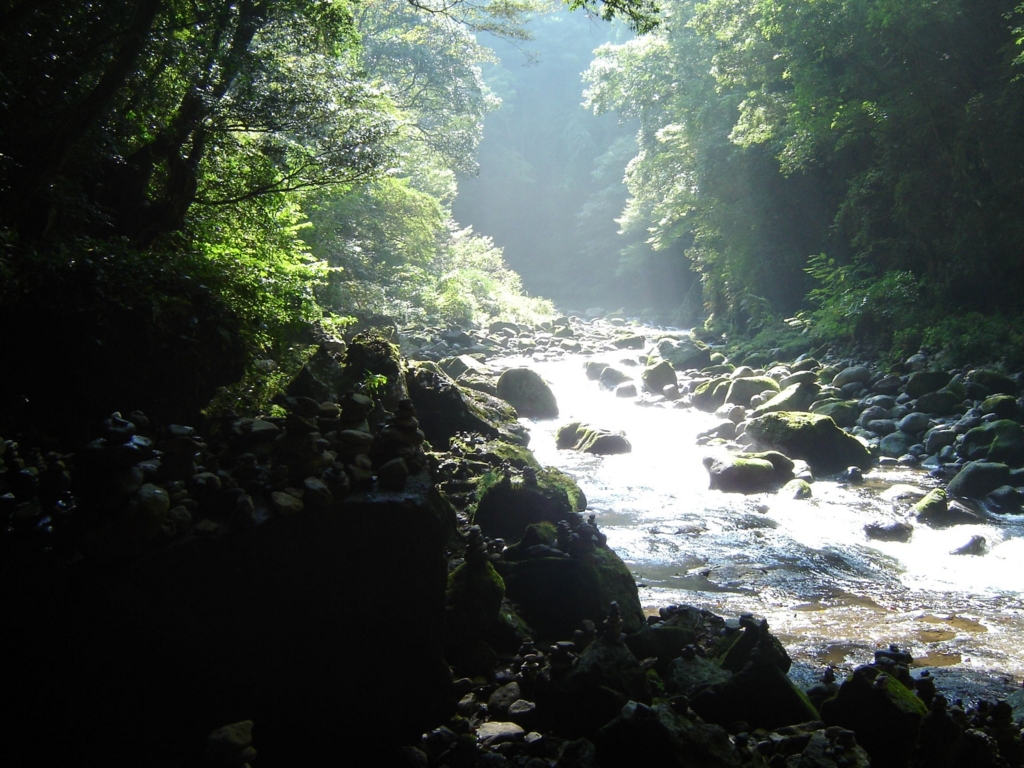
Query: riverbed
[831, 595]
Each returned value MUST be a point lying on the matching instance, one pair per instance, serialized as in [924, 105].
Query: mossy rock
[587, 439]
[740, 474]
[885, 715]
[507, 506]
[658, 376]
[555, 595]
[710, 395]
[722, 369]
[543, 534]
[923, 382]
[495, 452]
[843, 412]
[759, 695]
[444, 408]
[660, 642]
[528, 393]
[682, 353]
[994, 381]
[1003, 406]
[941, 402]
[372, 352]
[630, 341]
[795, 397]
[815, 439]
[977, 479]
[741, 390]
[1001, 441]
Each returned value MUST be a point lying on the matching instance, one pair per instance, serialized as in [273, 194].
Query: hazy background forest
[186, 187]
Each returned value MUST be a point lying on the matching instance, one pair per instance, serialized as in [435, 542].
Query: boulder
[506, 507]
[815, 439]
[885, 715]
[741, 390]
[923, 382]
[855, 373]
[843, 412]
[528, 393]
[555, 595]
[445, 409]
[796, 397]
[660, 736]
[684, 353]
[895, 444]
[1000, 441]
[1003, 406]
[740, 474]
[994, 381]
[630, 341]
[588, 439]
[941, 402]
[658, 376]
[977, 479]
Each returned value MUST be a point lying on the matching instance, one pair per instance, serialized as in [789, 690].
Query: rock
[833, 747]
[896, 531]
[588, 439]
[612, 377]
[286, 504]
[895, 444]
[855, 373]
[994, 381]
[610, 664]
[843, 412]
[938, 438]
[626, 390]
[507, 508]
[1003, 406]
[556, 595]
[231, 744]
[797, 397]
[457, 366]
[499, 732]
[631, 341]
[977, 479]
[528, 393]
[499, 702]
[594, 368]
[1000, 441]
[815, 439]
[760, 695]
[1005, 500]
[660, 736]
[923, 382]
[684, 353]
[738, 474]
[914, 423]
[445, 409]
[658, 376]
[976, 546]
[710, 395]
[661, 642]
[741, 390]
[797, 489]
[691, 672]
[883, 713]
[941, 402]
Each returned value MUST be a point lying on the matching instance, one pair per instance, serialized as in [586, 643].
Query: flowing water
[828, 592]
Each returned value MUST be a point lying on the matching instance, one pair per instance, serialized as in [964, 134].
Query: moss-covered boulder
[760, 694]
[445, 409]
[507, 505]
[1001, 441]
[977, 479]
[658, 376]
[554, 595]
[741, 390]
[796, 397]
[629, 341]
[941, 402]
[885, 715]
[373, 353]
[587, 439]
[923, 382]
[710, 395]
[815, 439]
[1003, 406]
[528, 393]
[843, 412]
[682, 353]
[741, 474]
[994, 381]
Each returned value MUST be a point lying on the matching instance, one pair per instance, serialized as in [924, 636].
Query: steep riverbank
[291, 569]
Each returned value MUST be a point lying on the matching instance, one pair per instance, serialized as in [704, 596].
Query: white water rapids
[831, 595]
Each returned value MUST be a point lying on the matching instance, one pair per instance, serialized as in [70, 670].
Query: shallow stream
[830, 594]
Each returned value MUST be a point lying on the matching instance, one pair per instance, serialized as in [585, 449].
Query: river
[830, 594]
